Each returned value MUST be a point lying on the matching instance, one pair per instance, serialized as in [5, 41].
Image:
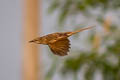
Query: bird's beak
[31, 41]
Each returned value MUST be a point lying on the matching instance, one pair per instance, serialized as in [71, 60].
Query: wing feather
[60, 47]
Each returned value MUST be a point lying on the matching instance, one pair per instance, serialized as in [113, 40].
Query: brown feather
[60, 47]
[58, 42]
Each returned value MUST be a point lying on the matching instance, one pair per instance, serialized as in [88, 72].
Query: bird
[58, 42]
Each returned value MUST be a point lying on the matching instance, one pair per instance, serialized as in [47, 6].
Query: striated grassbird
[58, 42]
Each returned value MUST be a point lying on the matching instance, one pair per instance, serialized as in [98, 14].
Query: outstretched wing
[60, 47]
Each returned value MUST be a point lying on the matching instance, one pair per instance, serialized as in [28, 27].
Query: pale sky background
[11, 37]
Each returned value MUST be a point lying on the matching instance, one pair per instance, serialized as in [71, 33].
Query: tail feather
[74, 32]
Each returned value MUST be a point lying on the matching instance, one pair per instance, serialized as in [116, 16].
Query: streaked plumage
[58, 42]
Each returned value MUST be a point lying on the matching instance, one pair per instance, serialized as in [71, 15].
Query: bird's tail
[74, 32]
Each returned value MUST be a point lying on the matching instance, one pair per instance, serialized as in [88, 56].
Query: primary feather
[60, 47]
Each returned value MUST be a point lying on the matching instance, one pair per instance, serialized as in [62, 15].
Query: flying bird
[58, 42]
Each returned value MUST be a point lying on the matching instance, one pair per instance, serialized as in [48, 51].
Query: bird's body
[50, 38]
[58, 42]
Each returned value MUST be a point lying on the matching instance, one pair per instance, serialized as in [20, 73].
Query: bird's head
[37, 40]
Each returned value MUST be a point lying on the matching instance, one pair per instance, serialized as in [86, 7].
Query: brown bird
[57, 42]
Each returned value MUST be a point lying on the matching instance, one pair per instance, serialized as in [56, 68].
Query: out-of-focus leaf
[62, 16]
[51, 71]
[89, 74]
[115, 48]
[54, 6]
[64, 11]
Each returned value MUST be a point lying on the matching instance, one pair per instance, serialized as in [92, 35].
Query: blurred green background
[99, 59]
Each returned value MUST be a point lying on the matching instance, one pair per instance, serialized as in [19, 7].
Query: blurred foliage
[107, 61]
[71, 7]
[51, 71]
